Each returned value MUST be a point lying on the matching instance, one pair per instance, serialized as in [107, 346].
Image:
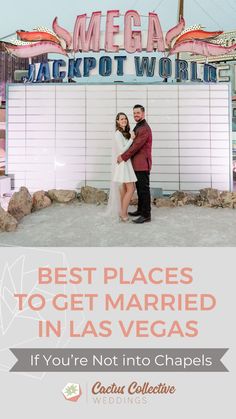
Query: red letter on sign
[86, 40]
[111, 29]
[155, 34]
[133, 39]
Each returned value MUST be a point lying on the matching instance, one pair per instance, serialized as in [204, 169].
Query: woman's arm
[120, 148]
[127, 145]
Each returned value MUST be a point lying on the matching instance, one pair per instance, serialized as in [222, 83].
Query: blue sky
[26, 14]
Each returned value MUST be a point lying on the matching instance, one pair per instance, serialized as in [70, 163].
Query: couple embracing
[132, 162]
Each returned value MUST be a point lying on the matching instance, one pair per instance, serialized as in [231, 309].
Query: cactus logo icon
[72, 392]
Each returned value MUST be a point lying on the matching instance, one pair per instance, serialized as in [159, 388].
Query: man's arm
[138, 143]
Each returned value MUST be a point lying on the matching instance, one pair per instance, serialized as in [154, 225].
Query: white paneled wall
[59, 135]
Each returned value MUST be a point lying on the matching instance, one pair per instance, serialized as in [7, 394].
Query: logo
[72, 392]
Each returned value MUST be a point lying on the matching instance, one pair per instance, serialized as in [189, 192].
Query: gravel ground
[85, 225]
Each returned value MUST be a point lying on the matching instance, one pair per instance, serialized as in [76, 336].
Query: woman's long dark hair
[126, 131]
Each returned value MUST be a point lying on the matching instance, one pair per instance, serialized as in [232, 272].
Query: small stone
[20, 203]
[92, 195]
[210, 197]
[163, 203]
[40, 200]
[227, 199]
[190, 199]
[211, 203]
[180, 198]
[177, 196]
[7, 221]
[61, 195]
[209, 193]
[101, 196]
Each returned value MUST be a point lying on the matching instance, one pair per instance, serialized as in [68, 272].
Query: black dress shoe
[135, 213]
[142, 220]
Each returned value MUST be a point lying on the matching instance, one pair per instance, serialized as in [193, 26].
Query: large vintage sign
[88, 36]
[106, 66]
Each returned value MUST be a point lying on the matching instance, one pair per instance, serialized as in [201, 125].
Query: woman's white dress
[124, 171]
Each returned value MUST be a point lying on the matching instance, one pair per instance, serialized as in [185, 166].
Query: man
[141, 154]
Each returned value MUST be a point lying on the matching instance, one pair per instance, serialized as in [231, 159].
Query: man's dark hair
[139, 106]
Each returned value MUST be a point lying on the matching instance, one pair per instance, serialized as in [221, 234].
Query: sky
[27, 14]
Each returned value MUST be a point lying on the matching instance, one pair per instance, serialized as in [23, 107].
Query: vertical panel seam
[85, 137]
[231, 184]
[26, 122]
[178, 92]
[55, 137]
[210, 132]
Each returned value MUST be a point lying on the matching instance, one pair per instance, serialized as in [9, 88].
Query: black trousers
[143, 191]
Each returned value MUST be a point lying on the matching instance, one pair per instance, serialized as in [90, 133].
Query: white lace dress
[124, 171]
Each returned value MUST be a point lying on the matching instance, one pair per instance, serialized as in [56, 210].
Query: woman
[123, 176]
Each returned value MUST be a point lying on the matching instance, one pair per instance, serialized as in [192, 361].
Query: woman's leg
[122, 194]
[127, 198]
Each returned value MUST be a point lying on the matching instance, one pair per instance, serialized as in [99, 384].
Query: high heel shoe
[124, 219]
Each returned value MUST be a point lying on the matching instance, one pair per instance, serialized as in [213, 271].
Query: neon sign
[88, 36]
[106, 66]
